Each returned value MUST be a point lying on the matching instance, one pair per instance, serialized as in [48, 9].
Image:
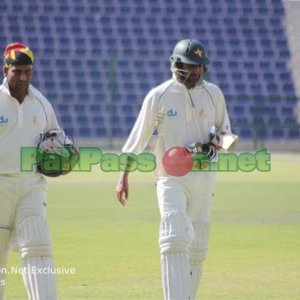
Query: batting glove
[202, 154]
[207, 151]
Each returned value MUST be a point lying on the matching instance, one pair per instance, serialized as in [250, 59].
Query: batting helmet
[189, 51]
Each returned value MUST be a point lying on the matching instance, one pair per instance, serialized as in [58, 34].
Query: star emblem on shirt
[34, 120]
[201, 113]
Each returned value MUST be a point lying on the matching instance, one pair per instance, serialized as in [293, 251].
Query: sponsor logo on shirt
[171, 113]
[3, 120]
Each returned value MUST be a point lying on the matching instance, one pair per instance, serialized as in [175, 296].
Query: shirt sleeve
[51, 118]
[144, 126]
[222, 118]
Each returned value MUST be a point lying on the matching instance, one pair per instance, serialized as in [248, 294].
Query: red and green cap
[17, 54]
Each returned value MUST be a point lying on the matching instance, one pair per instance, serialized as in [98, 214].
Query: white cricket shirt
[189, 116]
[21, 125]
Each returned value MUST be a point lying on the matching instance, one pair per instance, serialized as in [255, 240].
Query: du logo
[3, 120]
[171, 113]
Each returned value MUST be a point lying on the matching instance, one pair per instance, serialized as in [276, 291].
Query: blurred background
[96, 60]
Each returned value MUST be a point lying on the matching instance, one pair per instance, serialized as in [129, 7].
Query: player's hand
[215, 137]
[122, 188]
[202, 154]
[208, 151]
[159, 117]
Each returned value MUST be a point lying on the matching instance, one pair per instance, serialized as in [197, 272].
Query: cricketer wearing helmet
[182, 111]
[24, 114]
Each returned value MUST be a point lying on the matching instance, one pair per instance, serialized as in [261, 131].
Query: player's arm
[51, 120]
[122, 188]
[221, 135]
[136, 143]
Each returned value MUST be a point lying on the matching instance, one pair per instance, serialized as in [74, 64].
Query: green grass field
[254, 248]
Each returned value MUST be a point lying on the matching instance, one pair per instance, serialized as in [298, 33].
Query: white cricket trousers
[23, 226]
[185, 206]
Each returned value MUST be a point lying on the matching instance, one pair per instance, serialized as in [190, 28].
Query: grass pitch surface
[254, 247]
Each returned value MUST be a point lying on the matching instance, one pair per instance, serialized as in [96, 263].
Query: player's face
[189, 75]
[195, 72]
[18, 77]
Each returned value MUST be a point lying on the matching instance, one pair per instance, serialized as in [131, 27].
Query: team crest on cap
[198, 52]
